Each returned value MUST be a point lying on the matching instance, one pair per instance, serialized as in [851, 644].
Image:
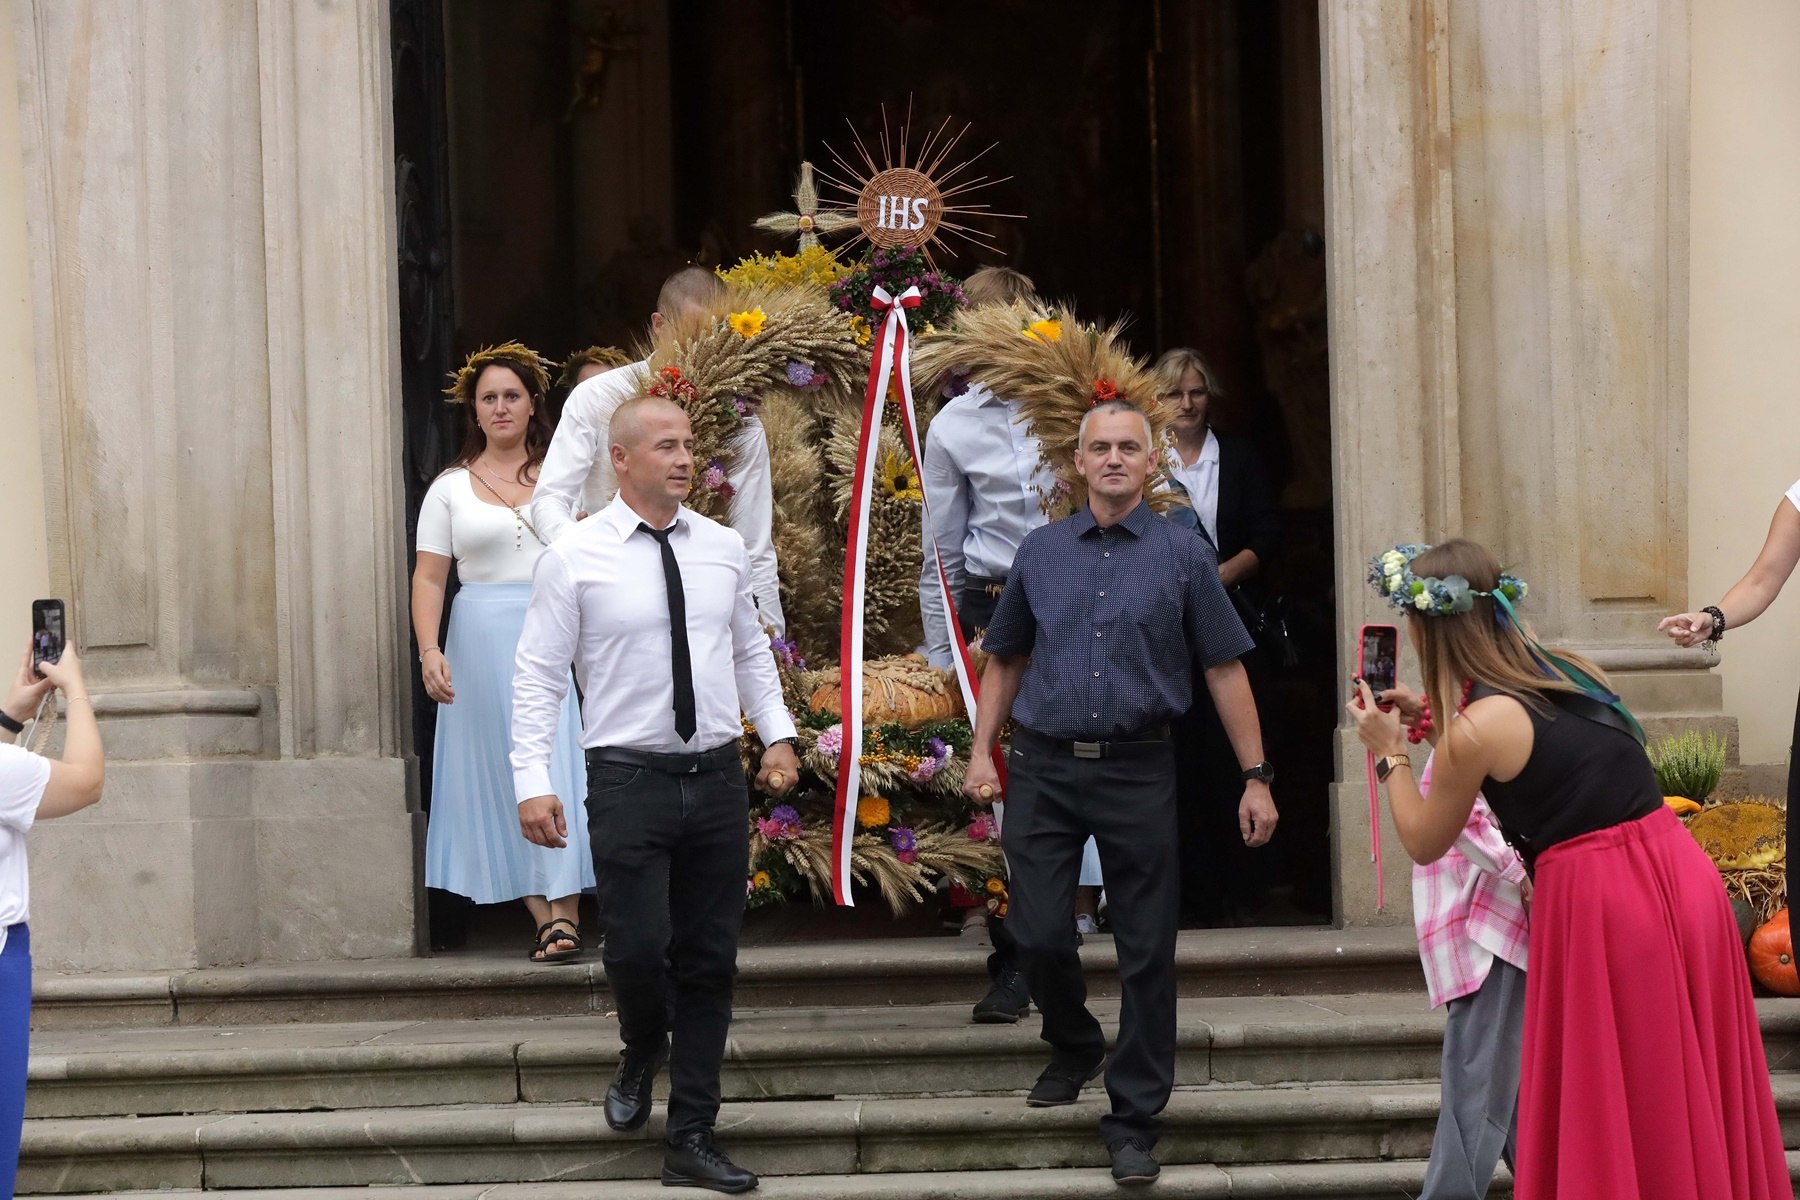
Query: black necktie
[679, 661]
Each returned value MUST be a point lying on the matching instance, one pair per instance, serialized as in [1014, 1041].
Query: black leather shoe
[1060, 1084]
[1132, 1162]
[1007, 1001]
[694, 1161]
[628, 1099]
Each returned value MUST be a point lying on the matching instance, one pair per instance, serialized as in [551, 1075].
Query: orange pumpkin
[1772, 957]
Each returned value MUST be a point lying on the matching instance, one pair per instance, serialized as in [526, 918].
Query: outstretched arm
[1751, 596]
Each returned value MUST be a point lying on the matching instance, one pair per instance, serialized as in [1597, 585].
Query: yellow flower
[1043, 331]
[760, 880]
[995, 885]
[898, 478]
[872, 812]
[747, 324]
[860, 327]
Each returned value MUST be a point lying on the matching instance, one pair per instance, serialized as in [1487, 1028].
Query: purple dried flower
[799, 374]
[714, 477]
[831, 741]
[785, 814]
[903, 839]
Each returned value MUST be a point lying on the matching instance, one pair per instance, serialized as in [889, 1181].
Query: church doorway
[1168, 158]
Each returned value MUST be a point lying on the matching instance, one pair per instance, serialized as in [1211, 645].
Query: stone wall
[210, 208]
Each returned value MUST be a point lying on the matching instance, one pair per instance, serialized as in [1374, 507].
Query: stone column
[214, 295]
[1509, 301]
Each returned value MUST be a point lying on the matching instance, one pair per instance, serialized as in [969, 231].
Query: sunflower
[760, 880]
[1047, 331]
[899, 478]
[872, 812]
[747, 324]
[859, 327]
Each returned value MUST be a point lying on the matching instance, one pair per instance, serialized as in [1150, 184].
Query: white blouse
[489, 543]
[1793, 494]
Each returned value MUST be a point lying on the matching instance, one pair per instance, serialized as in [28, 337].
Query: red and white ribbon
[892, 361]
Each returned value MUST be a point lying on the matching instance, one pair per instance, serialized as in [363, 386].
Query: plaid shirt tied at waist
[1469, 907]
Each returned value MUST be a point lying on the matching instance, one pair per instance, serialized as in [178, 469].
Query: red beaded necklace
[1421, 729]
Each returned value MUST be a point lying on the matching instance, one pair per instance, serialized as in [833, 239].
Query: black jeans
[670, 853]
[1054, 802]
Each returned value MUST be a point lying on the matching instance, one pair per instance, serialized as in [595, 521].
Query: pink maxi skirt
[1644, 1073]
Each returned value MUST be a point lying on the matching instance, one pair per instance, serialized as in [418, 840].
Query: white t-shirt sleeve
[23, 778]
[434, 518]
[1793, 494]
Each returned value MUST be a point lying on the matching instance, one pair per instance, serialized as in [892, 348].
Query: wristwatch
[1384, 766]
[1262, 772]
[792, 743]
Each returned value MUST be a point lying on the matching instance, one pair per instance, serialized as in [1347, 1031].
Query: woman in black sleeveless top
[1643, 1072]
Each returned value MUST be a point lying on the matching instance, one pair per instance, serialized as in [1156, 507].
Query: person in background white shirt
[584, 365]
[578, 474]
[652, 602]
[1747, 600]
[34, 788]
[475, 514]
[987, 485]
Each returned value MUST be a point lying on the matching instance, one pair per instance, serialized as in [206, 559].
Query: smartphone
[1377, 660]
[47, 637]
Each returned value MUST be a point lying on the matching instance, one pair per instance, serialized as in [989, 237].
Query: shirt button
[1106, 554]
[1096, 674]
[1103, 593]
[1096, 716]
[1096, 633]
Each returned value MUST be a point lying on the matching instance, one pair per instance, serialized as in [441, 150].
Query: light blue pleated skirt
[473, 846]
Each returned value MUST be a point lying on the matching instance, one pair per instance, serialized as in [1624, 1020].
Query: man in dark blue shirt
[1107, 618]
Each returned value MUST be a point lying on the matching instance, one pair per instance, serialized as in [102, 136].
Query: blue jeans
[15, 1046]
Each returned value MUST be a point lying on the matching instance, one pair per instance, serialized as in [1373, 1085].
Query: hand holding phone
[1377, 658]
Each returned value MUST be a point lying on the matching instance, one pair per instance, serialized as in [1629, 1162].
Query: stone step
[782, 1054]
[899, 971]
[1223, 1126]
[1287, 1181]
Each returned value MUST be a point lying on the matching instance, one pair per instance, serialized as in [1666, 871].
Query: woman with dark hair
[477, 514]
[1224, 480]
[1644, 1073]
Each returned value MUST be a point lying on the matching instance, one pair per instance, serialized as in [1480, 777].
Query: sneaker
[695, 1161]
[627, 1104]
[1084, 925]
[1132, 1162]
[1007, 1001]
[1061, 1084]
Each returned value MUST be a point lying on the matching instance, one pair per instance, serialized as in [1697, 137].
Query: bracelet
[1718, 628]
[68, 700]
[428, 650]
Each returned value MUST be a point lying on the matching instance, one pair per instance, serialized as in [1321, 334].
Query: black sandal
[547, 940]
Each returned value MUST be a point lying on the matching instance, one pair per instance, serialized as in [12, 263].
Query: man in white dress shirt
[577, 475]
[652, 603]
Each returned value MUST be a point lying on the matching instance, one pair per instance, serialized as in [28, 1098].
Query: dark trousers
[974, 609]
[1054, 803]
[669, 859]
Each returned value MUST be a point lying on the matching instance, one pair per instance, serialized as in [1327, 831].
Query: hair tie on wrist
[1718, 626]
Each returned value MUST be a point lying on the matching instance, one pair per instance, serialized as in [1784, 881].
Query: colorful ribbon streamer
[891, 365]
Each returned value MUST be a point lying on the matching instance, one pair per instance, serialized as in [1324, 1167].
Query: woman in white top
[1747, 600]
[34, 788]
[477, 513]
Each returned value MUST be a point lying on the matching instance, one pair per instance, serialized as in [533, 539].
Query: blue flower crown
[1391, 575]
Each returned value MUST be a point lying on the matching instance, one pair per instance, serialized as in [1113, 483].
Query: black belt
[1147, 742]
[666, 764]
[992, 587]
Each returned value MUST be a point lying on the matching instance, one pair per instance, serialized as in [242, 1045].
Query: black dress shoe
[1060, 1084]
[628, 1099]
[694, 1161]
[1132, 1162]
[1007, 1001]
